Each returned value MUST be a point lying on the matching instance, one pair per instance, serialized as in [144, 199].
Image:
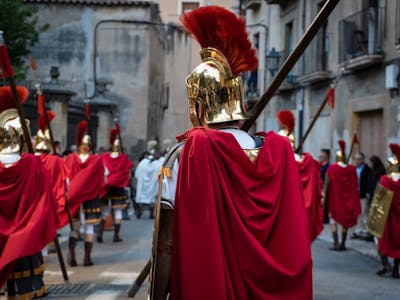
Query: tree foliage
[21, 30]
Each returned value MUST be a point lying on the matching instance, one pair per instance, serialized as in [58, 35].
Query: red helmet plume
[6, 98]
[82, 126]
[395, 148]
[286, 118]
[216, 27]
[42, 122]
[113, 135]
[342, 145]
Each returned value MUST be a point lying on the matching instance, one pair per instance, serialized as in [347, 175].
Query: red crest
[286, 118]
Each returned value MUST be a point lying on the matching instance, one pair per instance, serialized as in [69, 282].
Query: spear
[42, 110]
[353, 142]
[290, 62]
[8, 72]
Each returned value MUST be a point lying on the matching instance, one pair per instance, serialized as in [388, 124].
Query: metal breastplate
[252, 154]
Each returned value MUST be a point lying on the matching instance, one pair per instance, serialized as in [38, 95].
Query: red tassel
[113, 135]
[6, 98]
[42, 122]
[40, 104]
[5, 63]
[82, 126]
[342, 145]
[331, 97]
[355, 139]
[87, 111]
[395, 148]
[118, 128]
[286, 118]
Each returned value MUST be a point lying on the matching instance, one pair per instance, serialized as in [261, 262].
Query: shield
[379, 210]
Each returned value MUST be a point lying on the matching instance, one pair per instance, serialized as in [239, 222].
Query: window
[322, 44]
[397, 37]
[289, 43]
[188, 6]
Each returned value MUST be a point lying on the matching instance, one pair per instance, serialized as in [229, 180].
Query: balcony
[360, 39]
[280, 2]
[251, 4]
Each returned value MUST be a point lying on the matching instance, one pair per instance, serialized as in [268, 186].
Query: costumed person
[146, 175]
[87, 180]
[55, 165]
[28, 211]
[232, 202]
[310, 176]
[341, 196]
[389, 243]
[118, 167]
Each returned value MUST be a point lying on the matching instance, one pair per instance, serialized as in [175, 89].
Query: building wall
[128, 54]
[362, 101]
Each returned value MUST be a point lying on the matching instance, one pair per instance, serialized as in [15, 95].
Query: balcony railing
[361, 34]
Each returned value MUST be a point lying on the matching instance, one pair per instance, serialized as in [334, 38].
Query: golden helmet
[286, 121]
[341, 154]
[226, 53]
[115, 141]
[393, 161]
[42, 138]
[152, 146]
[11, 135]
[83, 140]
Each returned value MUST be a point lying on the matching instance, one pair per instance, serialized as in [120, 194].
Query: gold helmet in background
[286, 121]
[11, 134]
[341, 154]
[152, 146]
[83, 139]
[226, 53]
[394, 160]
[115, 141]
[42, 138]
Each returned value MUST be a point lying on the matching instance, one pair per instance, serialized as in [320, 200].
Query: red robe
[57, 168]
[28, 212]
[310, 176]
[240, 230]
[120, 171]
[342, 195]
[389, 244]
[87, 180]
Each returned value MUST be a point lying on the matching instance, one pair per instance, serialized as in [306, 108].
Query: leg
[117, 224]
[395, 272]
[89, 230]
[73, 238]
[335, 237]
[151, 207]
[104, 213]
[386, 267]
[342, 246]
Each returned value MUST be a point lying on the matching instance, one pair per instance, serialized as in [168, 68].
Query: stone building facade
[114, 48]
[358, 43]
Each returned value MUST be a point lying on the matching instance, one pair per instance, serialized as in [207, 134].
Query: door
[370, 134]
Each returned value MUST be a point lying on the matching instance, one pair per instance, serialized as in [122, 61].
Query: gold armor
[213, 83]
[289, 135]
[393, 166]
[341, 154]
[10, 132]
[116, 146]
[86, 144]
[43, 141]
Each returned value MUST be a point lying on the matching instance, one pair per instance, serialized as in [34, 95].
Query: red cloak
[87, 180]
[57, 168]
[240, 230]
[389, 244]
[310, 176]
[120, 171]
[342, 195]
[28, 212]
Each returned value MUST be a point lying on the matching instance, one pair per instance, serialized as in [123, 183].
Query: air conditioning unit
[391, 76]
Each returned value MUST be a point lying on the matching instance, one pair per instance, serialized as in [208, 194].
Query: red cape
[120, 171]
[240, 230]
[342, 195]
[310, 176]
[389, 244]
[28, 212]
[57, 168]
[87, 180]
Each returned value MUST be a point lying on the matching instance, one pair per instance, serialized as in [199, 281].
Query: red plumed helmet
[286, 118]
[342, 145]
[42, 122]
[395, 148]
[221, 29]
[6, 98]
[113, 135]
[82, 126]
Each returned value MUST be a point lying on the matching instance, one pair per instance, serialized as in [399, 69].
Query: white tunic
[146, 175]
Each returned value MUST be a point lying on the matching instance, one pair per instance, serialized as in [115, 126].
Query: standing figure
[341, 195]
[389, 243]
[87, 179]
[309, 175]
[118, 167]
[235, 219]
[146, 175]
[28, 211]
[324, 158]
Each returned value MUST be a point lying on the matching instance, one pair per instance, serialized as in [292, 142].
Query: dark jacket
[364, 181]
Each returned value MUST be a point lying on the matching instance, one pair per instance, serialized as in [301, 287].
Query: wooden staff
[134, 288]
[353, 142]
[290, 62]
[46, 118]
[27, 137]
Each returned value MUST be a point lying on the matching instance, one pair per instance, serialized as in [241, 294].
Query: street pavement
[348, 275]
